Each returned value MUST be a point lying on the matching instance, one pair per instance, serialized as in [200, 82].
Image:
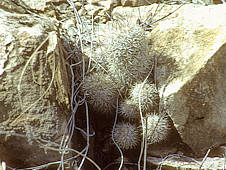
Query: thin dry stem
[204, 159]
[20, 80]
[112, 136]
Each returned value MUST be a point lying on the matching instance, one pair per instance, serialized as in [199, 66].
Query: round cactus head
[101, 92]
[146, 95]
[126, 135]
[128, 54]
[156, 127]
[128, 110]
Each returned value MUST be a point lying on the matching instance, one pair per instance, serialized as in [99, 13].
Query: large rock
[191, 51]
[194, 57]
[33, 90]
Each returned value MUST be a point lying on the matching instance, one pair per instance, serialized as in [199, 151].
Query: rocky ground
[149, 74]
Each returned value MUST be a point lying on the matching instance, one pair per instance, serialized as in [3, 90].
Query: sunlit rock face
[191, 73]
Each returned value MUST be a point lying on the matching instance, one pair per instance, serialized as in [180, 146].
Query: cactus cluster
[144, 96]
[120, 70]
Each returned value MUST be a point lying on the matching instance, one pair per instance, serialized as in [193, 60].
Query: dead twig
[204, 159]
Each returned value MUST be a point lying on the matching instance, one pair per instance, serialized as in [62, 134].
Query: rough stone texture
[218, 151]
[194, 57]
[35, 4]
[33, 90]
[174, 162]
[191, 51]
[23, 6]
[135, 3]
[11, 6]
